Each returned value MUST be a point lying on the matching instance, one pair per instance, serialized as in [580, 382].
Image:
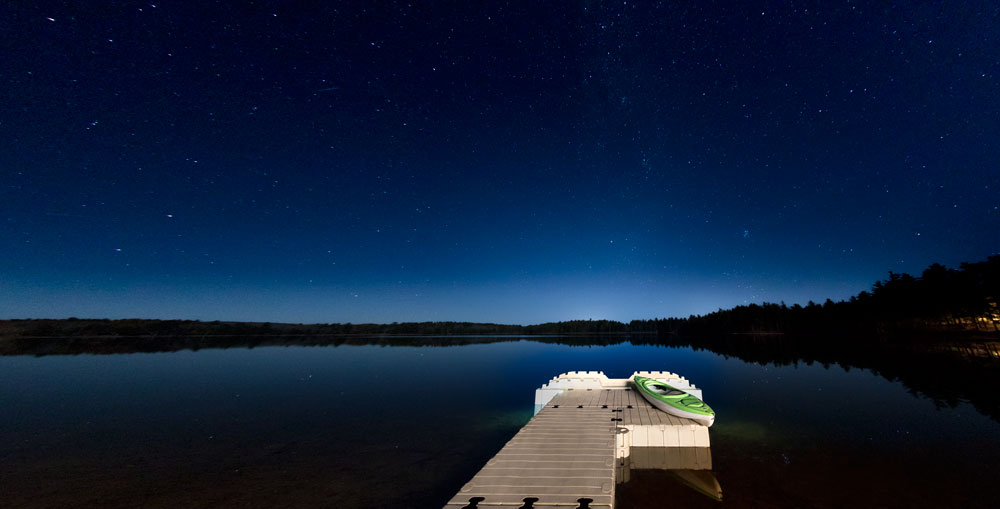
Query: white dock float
[586, 429]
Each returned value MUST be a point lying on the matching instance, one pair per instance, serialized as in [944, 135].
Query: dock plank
[579, 441]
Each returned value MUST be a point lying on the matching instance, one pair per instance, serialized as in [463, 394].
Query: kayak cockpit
[667, 391]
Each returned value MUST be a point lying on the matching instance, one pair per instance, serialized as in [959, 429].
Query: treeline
[940, 299]
[76, 327]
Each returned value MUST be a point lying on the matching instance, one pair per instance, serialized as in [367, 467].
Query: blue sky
[487, 162]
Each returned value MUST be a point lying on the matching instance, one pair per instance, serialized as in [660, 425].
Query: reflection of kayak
[675, 401]
[702, 481]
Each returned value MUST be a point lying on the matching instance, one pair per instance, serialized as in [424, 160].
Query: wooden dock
[588, 432]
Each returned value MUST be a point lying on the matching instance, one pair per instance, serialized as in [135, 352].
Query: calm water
[370, 426]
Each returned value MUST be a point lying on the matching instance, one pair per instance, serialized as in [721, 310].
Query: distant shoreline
[967, 361]
[821, 329]
[80, 336]
[941, 304]
[358, 335]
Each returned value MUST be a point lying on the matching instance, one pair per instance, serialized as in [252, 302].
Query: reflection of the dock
[691, 466]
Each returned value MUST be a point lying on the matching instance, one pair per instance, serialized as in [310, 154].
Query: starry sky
[514, 162]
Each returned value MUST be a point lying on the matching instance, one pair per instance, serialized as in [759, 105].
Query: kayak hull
[674, 401]
[676, 412]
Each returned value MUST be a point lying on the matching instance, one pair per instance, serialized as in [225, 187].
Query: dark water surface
[375, 426]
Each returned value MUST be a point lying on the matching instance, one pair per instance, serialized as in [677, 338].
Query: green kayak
[675, 401]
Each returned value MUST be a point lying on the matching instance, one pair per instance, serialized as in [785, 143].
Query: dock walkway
[581, 441]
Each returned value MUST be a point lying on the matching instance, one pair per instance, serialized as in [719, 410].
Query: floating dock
[587, 434]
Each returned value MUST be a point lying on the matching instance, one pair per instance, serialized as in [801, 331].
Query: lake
[402, 426]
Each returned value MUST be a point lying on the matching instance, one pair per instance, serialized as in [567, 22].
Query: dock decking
[587, 433]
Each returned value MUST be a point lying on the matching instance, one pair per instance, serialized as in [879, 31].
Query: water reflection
[691, 466]
[702, 481]
[960, 375]
[294, 425]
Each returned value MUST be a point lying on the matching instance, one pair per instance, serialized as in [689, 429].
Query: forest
[940, 302]
[944, 320]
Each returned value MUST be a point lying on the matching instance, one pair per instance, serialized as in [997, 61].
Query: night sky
[511, 162]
